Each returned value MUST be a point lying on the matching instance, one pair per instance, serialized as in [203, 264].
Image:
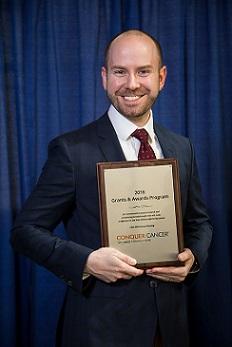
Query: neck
[142, 120]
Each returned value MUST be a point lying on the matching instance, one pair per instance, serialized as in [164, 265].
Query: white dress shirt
[130, 145]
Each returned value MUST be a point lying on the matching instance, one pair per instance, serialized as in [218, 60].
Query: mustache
[128, 92]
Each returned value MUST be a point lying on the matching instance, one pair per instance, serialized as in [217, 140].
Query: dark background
[50, 58]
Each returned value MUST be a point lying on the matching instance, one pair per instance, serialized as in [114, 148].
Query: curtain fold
[51, 53]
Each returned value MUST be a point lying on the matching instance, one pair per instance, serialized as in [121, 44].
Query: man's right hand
[110, 265]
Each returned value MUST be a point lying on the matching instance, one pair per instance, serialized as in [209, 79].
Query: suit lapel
[167, 148]
[108, 140]
[110, 146]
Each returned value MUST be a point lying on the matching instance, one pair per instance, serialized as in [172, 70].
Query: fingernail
[133, 261]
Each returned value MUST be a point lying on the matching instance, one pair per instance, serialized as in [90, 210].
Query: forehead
[129, 50]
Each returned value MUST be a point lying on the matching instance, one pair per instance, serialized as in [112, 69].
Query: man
[109, 301]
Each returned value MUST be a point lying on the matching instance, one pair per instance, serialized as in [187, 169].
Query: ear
[162, 76]
[104, 77]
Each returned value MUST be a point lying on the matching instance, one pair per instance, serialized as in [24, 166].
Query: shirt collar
[124, 127]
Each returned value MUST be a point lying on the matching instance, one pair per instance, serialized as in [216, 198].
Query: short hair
[135, 32]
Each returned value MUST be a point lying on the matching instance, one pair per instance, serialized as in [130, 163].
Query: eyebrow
[139, 68]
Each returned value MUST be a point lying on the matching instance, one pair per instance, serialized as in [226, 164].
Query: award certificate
[140, 210]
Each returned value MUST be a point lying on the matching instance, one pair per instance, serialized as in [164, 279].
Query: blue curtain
[51, 52]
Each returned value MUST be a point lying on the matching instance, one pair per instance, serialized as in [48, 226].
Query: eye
[144, 72]
[119, 72]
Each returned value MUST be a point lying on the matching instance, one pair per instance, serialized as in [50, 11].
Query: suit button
[153, 284]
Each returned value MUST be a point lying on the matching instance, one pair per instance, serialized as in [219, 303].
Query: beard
[133, 110]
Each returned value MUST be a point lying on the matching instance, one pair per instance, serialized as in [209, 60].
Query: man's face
[133, 77]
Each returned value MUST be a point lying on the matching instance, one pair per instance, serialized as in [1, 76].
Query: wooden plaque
[140, 210]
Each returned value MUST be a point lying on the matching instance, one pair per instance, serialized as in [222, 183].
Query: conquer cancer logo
[138, 236]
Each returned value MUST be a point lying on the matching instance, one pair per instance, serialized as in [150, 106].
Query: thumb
[185, 255]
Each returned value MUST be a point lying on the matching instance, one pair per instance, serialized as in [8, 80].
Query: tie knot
[141, 135]
[145, 151]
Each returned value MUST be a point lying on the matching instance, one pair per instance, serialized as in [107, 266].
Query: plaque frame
[104, 214]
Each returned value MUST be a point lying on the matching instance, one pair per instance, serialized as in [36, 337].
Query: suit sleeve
[50, 202]
[197, 226]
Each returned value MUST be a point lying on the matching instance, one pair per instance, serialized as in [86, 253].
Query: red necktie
[145, 150]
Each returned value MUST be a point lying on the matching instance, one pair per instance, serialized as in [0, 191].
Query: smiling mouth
[132, 98]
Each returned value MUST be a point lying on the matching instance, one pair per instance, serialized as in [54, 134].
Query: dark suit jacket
[96, 314]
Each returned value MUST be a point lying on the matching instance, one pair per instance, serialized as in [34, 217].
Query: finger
[168, 271]
[123, 272]
[127, 264]
[130, 270]
[163, 270]
[126, 258]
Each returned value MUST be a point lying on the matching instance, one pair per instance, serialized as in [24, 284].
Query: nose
[132, 82]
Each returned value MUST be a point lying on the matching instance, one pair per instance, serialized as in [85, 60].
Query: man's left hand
[174, 273]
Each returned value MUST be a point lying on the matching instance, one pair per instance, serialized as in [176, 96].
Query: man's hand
[174, 273]
[110, 265]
